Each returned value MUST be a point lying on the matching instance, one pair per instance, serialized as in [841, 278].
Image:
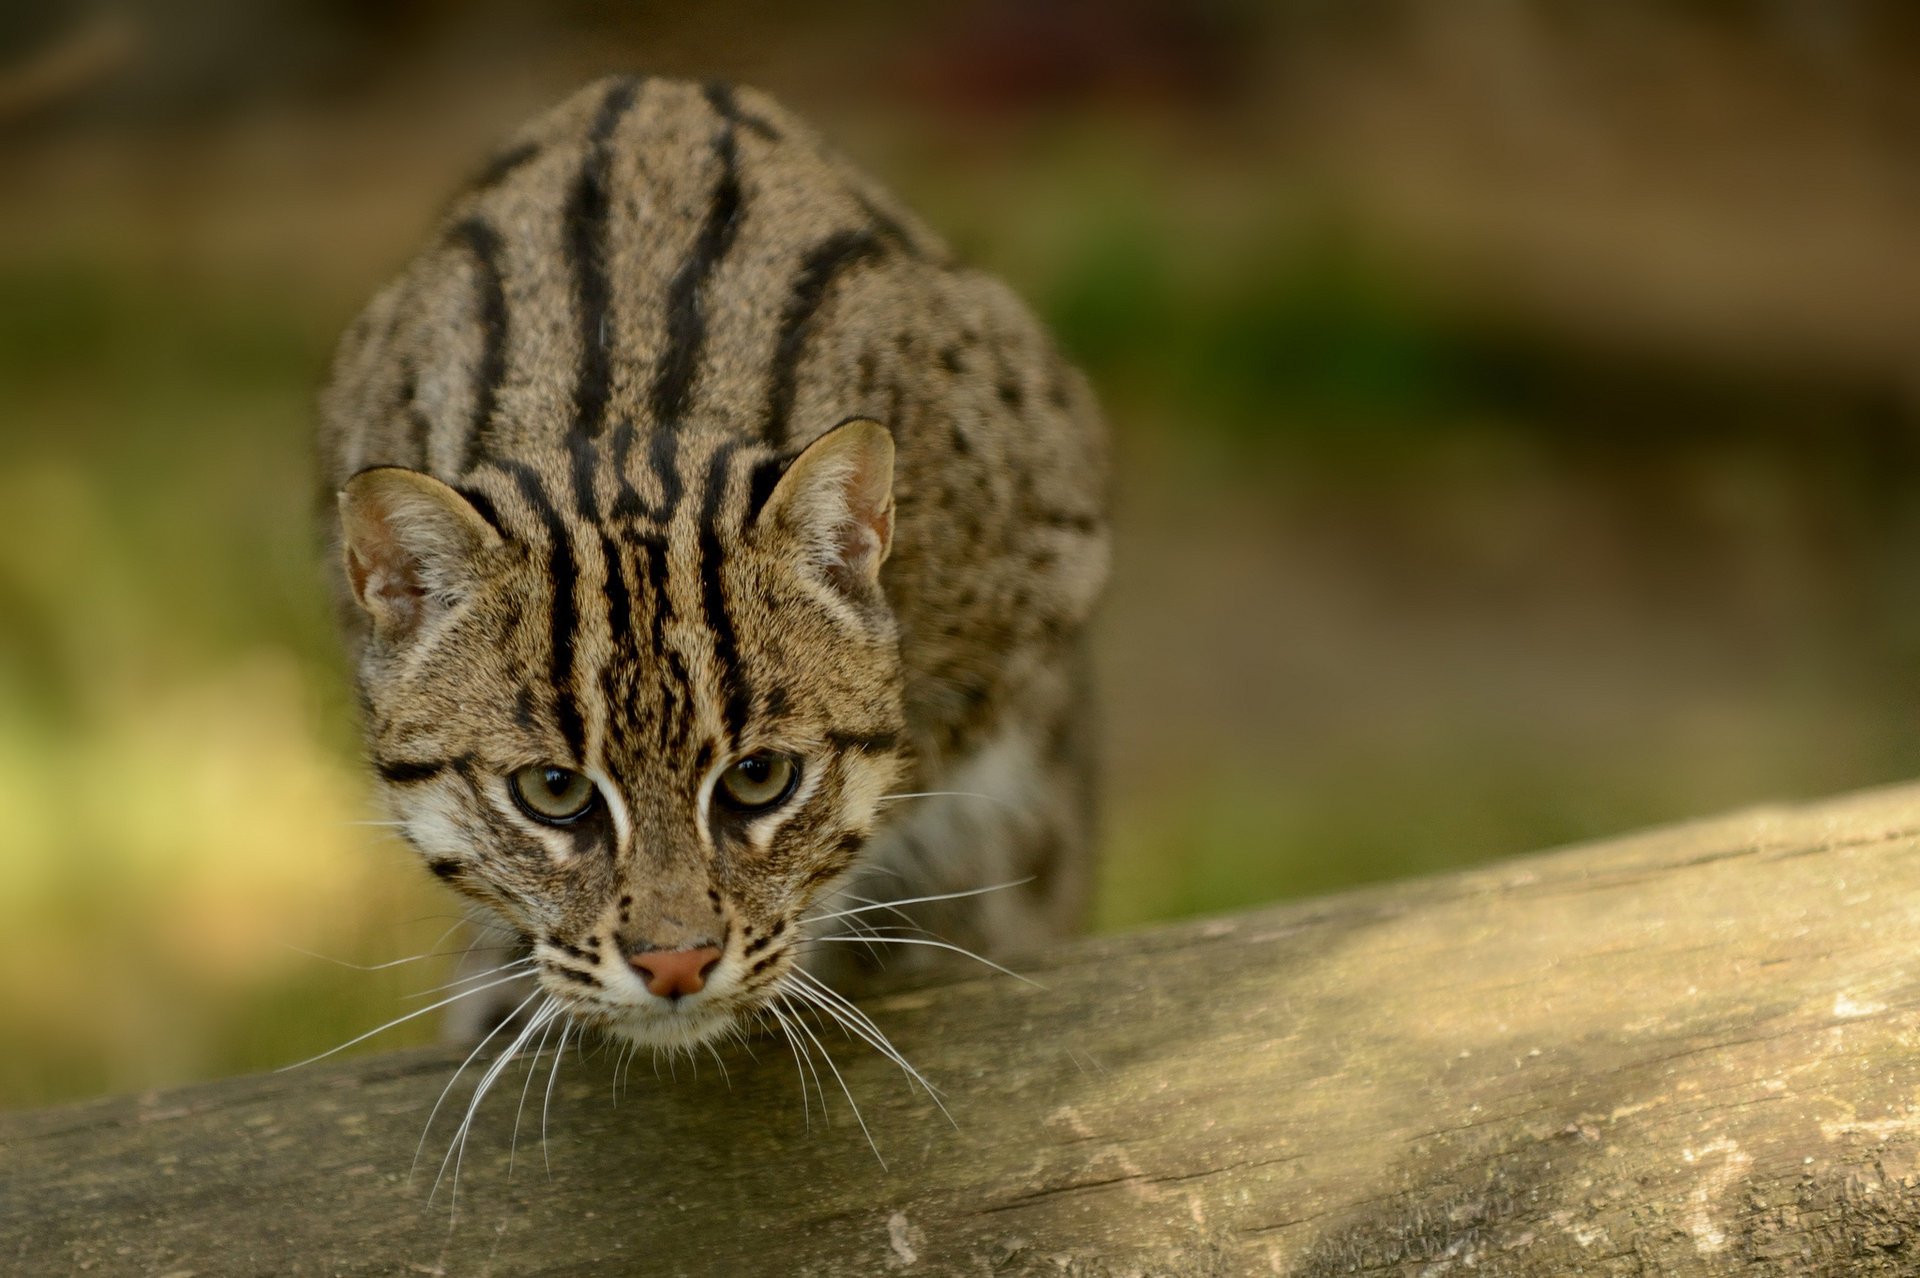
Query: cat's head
[647, 718]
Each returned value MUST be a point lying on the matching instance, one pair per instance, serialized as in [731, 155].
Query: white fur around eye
[432, 821]
[616, 807]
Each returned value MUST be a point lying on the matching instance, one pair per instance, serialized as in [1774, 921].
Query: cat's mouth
[686, 1021]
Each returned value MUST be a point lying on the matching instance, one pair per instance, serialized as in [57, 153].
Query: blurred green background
[1516, 406]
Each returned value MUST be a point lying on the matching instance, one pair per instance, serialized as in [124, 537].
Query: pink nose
[671, 973]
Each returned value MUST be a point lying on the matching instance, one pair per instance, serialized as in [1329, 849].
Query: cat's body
[609, 559]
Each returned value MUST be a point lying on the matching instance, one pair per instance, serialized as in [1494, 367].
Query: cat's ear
[411, 545]
[836, 500]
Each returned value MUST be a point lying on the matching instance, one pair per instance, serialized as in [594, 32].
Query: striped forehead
[626, 620]
[624, 329]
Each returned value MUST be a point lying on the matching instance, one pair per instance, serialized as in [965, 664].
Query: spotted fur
[579, 424]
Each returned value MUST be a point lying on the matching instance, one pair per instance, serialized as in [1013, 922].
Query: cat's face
[649, 744]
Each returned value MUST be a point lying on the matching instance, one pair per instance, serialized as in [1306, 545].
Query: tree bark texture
[1690, 1052]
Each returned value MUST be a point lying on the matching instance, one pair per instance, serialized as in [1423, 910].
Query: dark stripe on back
[686, 316]
[824, 264]
[405, 407]
[562, 573]
[886, 224]
[585, 220]
[501, 165]
[483, 242]
[758, 124]
[713, 598]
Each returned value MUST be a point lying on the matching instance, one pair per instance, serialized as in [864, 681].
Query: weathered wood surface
[1691, 1052]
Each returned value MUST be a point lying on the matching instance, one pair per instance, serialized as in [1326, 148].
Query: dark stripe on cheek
[571, 951]
[445, 869]
[483, 242]
[686, 316]
[581, 978]
[410, 771]
[842, 854]
[824, 264]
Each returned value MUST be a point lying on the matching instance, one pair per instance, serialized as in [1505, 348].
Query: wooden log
[1688, 1052]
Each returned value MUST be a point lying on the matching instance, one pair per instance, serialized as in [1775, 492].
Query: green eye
[759, 781]
[555, 796]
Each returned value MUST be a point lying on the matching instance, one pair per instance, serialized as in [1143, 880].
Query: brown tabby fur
[600, 552]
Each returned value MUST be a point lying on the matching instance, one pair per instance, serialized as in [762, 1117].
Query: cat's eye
[759, 781]
[553, 795]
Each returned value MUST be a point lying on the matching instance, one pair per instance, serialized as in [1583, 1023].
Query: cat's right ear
[411, 545]
[836, 500]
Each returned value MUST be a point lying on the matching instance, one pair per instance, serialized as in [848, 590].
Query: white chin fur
[675, 1029]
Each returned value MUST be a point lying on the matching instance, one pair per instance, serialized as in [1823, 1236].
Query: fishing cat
[698, 514]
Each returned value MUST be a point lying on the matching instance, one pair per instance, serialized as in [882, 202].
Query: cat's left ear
[836, 499]
[411, 544]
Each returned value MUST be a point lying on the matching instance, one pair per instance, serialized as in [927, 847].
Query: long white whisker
[737, 1033]
[724, 1076]
[512, 965]
[939, 945]
[457, 1150]
[806, 1050]
[361, 967]
[844, 1089]
[857, 1022]
[399, 1020]
[547, 1104]
[833, 1004]
[628, 1049]
[435, 1111]
[915, 900]
[859, 927]
[944, 794]
[533, 1067]
[806, 1107]
[433, 951]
